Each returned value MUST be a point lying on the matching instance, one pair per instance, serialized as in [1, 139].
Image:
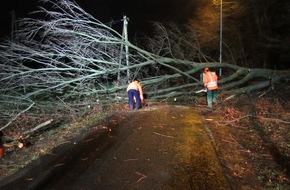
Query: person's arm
[140, 91]
[205, 81]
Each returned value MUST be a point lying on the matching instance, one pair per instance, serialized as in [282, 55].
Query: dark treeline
[254, 33]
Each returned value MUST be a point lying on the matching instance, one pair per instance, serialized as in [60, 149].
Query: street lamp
[221, 36]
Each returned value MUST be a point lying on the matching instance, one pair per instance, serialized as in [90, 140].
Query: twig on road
[143, 176]
[164, 135]
[131, 159]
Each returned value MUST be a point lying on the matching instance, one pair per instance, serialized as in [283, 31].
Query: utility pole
[221, 36]
[12, 24]
[125, 35]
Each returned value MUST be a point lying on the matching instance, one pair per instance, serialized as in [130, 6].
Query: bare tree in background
[68, 56]
[70, 59]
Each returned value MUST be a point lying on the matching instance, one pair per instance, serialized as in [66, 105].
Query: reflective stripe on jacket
[210, 80]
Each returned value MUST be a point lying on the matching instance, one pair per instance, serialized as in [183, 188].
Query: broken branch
[164, 135]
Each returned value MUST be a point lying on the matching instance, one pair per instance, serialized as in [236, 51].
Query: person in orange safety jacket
[135, 94]
[210, 82]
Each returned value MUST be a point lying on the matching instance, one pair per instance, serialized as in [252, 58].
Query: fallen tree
[68, 59]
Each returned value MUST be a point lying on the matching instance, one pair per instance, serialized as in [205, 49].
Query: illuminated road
[163, 148]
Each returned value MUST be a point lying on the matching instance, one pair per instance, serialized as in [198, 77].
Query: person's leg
[131, 99]
[214, 96]
[209, 98]
[138, 100]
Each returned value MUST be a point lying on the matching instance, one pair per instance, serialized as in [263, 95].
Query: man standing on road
[210, 81]
[135, 93]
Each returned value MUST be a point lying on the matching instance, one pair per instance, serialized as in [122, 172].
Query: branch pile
[65, 58]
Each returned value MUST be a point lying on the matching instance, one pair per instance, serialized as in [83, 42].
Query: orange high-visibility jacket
[210, 80]
[135, 85]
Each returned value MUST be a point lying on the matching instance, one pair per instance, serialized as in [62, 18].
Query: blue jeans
[131, 95]
[211, 97]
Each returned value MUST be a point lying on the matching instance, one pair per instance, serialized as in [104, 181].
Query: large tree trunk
[71, 58]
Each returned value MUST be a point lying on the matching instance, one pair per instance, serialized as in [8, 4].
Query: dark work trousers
[131, 95]
[211, 97]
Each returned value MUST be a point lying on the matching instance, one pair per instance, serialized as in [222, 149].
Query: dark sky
[21, 9]
[140, 12]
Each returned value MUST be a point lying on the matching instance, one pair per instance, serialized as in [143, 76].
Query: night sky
[139, 12]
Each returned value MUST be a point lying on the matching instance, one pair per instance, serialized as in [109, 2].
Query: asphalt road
[165, 147]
